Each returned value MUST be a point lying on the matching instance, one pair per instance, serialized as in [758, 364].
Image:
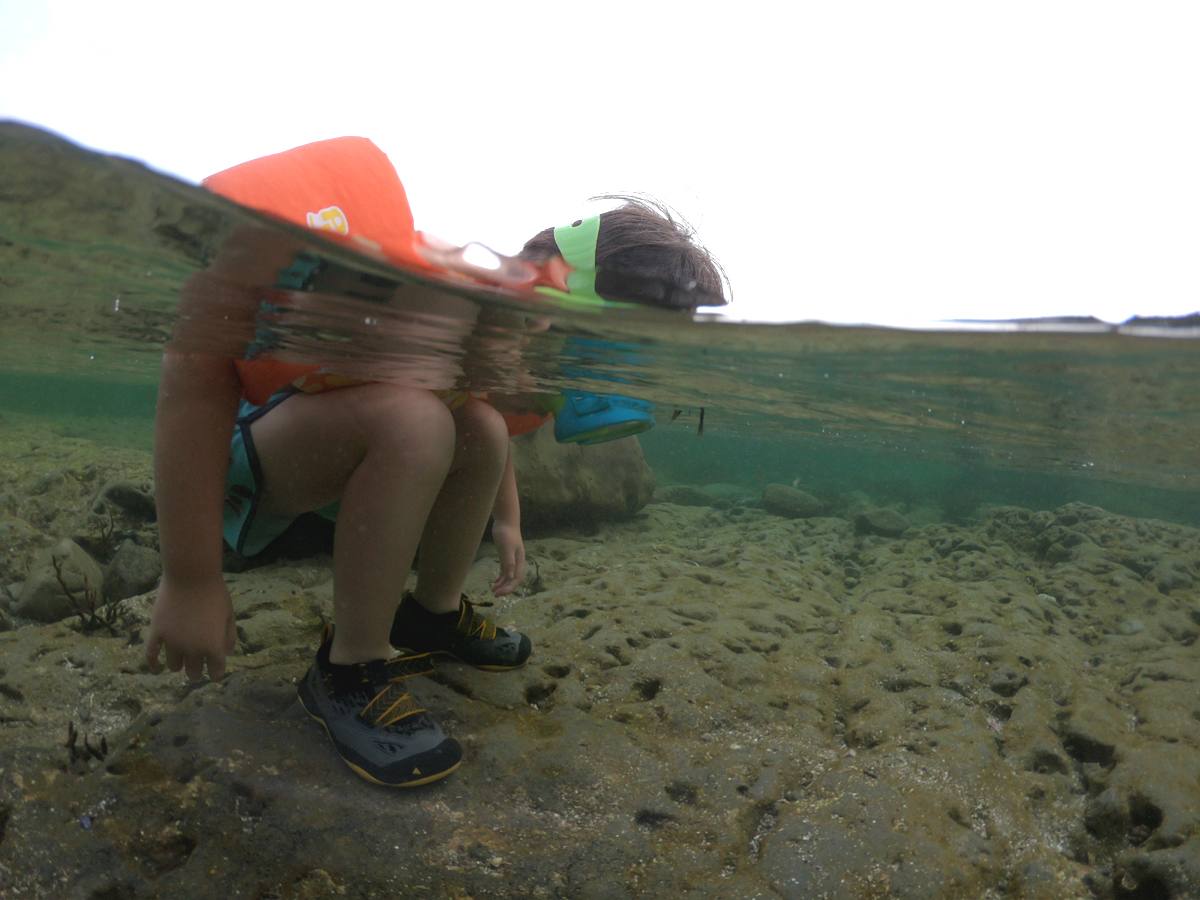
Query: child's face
[485, 266]
[477, 262]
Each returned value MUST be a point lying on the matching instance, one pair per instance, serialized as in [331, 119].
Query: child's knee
[481, 431]
[409, 418]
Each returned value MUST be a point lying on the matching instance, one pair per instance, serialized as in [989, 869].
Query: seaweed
[93, 746]
[108, 533]
[94, 614]
[536, 584]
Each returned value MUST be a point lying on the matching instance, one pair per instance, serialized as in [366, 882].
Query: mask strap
[577, 244]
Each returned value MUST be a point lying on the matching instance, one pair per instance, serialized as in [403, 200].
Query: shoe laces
[473, 626]
[394, 702]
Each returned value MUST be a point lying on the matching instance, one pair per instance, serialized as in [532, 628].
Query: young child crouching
[243, 447]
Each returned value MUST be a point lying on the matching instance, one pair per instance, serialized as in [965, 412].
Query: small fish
[700, 427]
[675, 415]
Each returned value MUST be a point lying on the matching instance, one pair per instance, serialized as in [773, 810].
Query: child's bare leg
[384, 451]
[460, 514]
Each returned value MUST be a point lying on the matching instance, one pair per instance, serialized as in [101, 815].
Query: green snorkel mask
[577, 244]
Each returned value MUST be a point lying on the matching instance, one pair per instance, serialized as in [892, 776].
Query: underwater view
[867, 613]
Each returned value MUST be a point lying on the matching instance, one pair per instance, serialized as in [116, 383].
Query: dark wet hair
[648, 254]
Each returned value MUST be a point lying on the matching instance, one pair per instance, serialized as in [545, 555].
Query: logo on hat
[329, 219]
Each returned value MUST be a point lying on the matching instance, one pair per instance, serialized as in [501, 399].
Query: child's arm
[506, 532]
[193, 614]
[197, 407]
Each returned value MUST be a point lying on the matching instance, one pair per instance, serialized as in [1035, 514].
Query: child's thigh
[310, 445]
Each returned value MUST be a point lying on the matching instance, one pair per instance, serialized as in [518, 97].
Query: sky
[855, 161]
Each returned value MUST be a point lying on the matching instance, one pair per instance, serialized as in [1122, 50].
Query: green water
[956, 481]
[95, 250]
[957, 487]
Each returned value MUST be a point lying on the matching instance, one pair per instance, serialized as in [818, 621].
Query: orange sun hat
[345, 188]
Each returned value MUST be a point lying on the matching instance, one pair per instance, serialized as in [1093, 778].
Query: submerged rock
[134, 570]
[791, 503]
[1173, 872]
[135, 501]
[687, 495]
[1170, 576]
[121, 511]
[43, 597]
[881, 521]
[731, 493]
[579, 486]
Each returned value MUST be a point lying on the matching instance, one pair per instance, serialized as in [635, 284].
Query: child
[405, 467]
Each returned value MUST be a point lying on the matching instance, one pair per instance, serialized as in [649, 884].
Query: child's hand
[511, 550]
[194, 624]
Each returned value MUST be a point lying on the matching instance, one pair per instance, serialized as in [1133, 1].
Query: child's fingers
[216, 666]
[194, 666]
[506, 582]
[153, 648]
[515, 572]
[174, 659]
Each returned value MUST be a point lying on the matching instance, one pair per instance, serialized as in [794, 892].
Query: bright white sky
[850, 161]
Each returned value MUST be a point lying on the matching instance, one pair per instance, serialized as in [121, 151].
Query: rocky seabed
[723, 702]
